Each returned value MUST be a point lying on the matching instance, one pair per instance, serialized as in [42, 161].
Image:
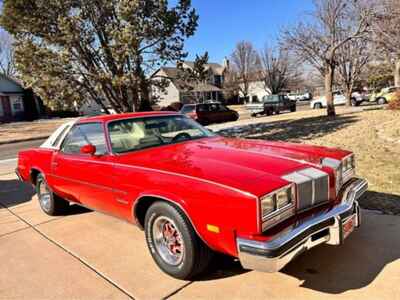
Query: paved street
[90, 255]
[8, 151]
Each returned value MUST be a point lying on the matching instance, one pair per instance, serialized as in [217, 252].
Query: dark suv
[207, 113]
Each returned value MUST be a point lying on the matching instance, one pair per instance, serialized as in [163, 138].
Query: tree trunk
[397, 73]
[329, 75]
[348, 97]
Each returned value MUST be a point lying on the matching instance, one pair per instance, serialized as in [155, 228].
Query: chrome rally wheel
[173, 242]
[50, 203]
[44, 195]
[168, 241]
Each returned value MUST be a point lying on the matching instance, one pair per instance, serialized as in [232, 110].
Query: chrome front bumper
[324, 227]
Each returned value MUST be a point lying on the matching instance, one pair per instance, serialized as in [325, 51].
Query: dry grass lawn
[372, 135]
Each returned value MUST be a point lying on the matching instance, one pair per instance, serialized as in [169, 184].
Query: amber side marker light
[213, 228]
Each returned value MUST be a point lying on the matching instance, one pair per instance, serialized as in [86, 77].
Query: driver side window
[81, 135]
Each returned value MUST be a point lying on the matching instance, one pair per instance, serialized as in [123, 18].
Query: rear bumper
[324, 227]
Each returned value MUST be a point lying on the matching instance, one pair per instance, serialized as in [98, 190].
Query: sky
[223, 23]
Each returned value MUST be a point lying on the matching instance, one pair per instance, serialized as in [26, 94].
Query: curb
[24, 140]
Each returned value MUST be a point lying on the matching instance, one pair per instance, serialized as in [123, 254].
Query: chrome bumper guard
[324, 227]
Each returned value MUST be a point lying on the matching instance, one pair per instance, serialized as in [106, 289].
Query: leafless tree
[245, 62]
[317, 42]
[352, 59]
[386, 28]
[7, 61]
[278, 69]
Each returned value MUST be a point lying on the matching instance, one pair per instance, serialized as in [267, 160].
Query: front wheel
[173, 243]
[381, 100]
[50, 203]
[293, 109]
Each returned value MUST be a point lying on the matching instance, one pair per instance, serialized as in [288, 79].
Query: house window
[17, 104]
[1, 108]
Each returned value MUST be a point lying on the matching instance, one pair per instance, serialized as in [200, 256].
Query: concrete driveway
[90, 255]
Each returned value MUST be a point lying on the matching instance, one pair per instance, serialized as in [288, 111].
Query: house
[16, 102]
[178, 91]
[256, 88]
[256, 91]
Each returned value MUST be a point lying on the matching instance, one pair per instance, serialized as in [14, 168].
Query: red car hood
[239, 163]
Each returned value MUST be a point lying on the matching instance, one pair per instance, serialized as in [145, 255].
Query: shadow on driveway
[14, 192]
[356, 263]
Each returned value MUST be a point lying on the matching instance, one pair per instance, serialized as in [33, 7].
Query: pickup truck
[271, 104]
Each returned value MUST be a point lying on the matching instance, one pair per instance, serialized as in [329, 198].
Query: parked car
[195, 193]
[357, 98]
[300, 97]
[271, 104]
[208, 113]
[385, 95]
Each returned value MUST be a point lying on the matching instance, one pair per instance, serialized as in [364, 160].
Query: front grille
[312, 187]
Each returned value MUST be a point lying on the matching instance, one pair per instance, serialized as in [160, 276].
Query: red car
[208, 113]
[195, 193]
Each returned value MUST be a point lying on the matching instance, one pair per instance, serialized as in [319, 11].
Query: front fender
[170, 198]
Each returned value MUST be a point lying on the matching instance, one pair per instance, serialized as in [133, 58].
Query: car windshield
[187, 109]
[271, 98]
[140, 133]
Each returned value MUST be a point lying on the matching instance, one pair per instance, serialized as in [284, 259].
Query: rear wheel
[173, 243]
[381, 100]
[317, 106]
[50, 203]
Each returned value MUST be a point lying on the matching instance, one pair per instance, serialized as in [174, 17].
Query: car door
[339, 99]
[85, 178]
[225, 115]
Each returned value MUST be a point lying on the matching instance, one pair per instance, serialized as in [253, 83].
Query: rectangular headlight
[278, 206]
[283, 198]
[268, 205]
[277, 200]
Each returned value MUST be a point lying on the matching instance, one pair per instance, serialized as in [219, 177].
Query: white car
[339, 99]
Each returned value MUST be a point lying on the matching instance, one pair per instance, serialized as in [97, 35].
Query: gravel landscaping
[372, 135]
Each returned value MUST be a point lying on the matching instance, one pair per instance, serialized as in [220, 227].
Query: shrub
[394, 104]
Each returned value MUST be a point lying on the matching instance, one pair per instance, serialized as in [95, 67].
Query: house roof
[217, 69]
[205, 87]
[172, 74]
[9, 85]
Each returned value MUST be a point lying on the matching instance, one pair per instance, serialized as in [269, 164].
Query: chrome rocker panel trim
[324, 227]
